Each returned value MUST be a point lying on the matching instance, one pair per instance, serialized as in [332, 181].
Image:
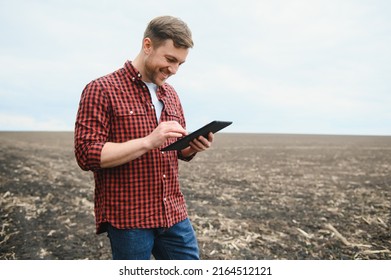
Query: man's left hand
[199, 144]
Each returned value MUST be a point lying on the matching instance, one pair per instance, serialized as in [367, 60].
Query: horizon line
[233, 132]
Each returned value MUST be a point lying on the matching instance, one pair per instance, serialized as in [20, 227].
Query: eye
[174, 60]
[171, 60]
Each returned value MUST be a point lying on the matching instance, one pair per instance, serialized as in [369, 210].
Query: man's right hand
[164, 131]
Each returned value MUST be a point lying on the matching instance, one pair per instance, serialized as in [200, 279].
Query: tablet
[203, 131]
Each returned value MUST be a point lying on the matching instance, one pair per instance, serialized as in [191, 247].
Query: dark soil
[249, 197]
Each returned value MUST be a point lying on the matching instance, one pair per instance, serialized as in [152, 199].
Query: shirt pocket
[172, 113]
[130, 122]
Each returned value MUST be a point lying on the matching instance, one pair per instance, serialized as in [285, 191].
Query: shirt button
[131, 112]
[162, 152]
[133, 79]
[139, 75]
[164, 199]
[164, 175]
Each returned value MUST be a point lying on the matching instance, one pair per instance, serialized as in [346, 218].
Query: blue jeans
[175, 243]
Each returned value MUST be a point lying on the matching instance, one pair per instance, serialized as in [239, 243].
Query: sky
[269, 66]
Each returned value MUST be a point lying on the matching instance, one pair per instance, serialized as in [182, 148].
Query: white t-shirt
[156, 103]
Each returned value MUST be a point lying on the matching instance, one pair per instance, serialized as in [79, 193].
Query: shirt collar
[135, 75]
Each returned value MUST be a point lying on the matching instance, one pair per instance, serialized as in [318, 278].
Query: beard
[154, 74]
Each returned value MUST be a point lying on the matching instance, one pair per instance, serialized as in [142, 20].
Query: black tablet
[203, 131]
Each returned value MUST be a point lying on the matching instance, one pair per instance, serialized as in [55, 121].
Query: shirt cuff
[189, 158]
[94, 156]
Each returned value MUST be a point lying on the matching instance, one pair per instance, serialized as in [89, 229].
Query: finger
[198, 145]
[195, 147]
[173, 127]
[176, 127]
[211, 137]
[172, 134]
[203, 142]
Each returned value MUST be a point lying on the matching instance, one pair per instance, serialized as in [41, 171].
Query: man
[123, 120]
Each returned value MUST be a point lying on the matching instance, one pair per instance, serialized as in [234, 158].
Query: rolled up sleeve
[92, 127]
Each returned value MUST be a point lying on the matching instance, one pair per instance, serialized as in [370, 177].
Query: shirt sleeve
[182, 157]
[92, 127]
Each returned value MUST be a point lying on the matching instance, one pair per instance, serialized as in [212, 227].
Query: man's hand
[199, 144]
[163, 131]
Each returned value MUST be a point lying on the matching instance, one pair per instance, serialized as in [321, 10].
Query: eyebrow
[170, 57]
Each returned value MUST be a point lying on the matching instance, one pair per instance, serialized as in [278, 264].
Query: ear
[147, 45]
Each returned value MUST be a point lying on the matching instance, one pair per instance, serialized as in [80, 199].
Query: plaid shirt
[143, 193]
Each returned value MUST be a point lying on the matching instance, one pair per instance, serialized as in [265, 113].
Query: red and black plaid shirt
[143, 193]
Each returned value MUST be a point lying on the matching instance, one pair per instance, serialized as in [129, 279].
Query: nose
[173, 68]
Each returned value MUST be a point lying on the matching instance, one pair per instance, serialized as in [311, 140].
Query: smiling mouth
[164, 75]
